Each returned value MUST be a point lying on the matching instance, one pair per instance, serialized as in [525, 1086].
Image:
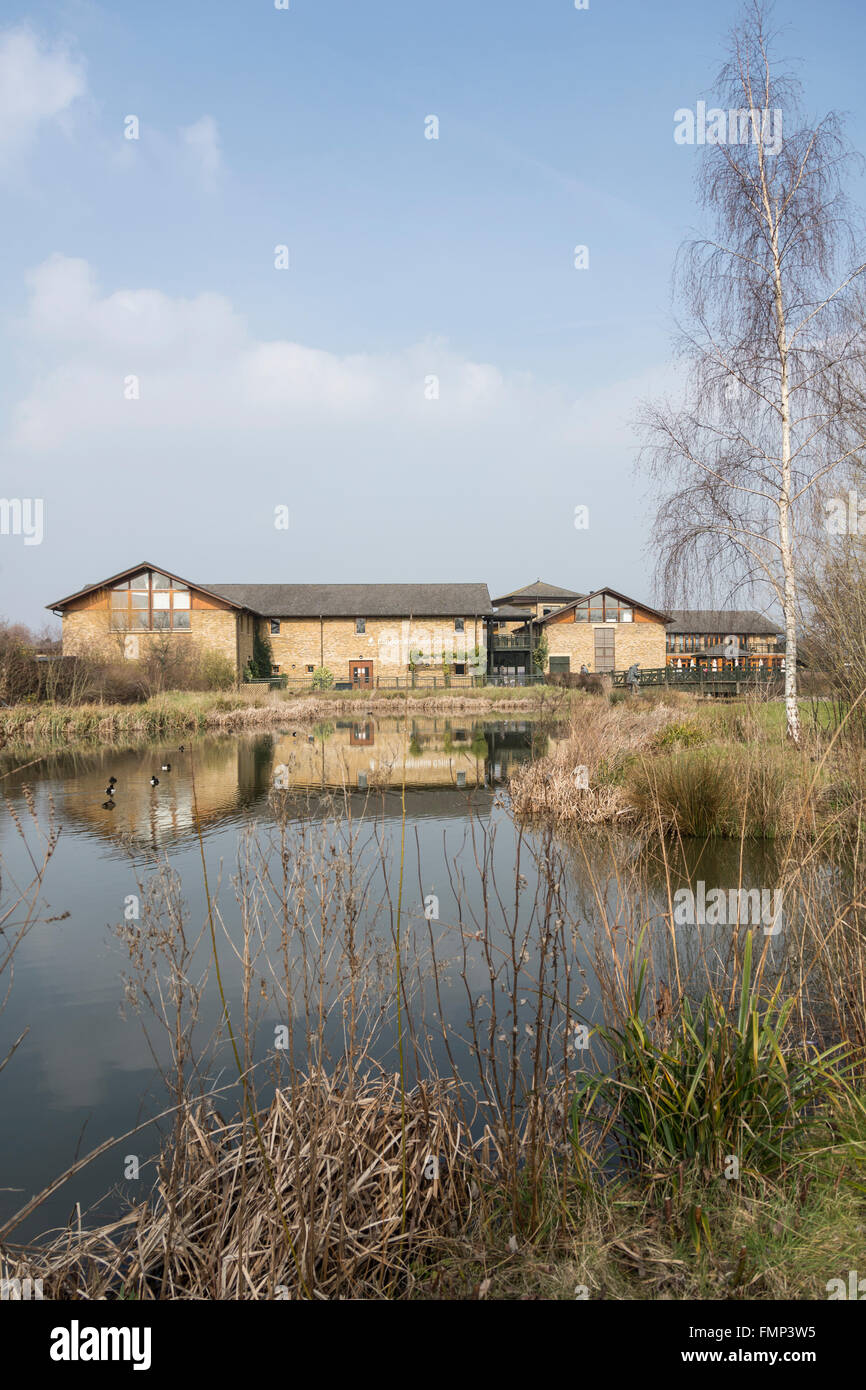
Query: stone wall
[304, 643]
[86, 632]
[643, 642]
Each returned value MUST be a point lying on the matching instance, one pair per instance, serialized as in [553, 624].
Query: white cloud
[37, 84]
[201, 143]
[199, 368]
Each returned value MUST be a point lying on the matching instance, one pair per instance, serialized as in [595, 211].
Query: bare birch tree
[773, 337]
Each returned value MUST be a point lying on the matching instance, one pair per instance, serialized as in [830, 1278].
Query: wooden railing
[726, 673]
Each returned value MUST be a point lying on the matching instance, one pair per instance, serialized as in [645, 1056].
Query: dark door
[361, 674]
[559, 665]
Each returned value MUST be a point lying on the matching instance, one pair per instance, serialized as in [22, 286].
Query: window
[604, 649]
[460, 668]
[461, 779]
[545, 611]
[275, 626]
[459, 625]
[150, 602]
[310, 669]
[360, 624]
[604, 608]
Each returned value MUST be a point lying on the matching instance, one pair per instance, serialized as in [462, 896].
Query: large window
[603, 608]
[150, 602]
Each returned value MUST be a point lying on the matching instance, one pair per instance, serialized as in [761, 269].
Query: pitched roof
[359, 600]
[539, 590]
[606, 589]
[136, 569]
[511, 614]
[721, 621]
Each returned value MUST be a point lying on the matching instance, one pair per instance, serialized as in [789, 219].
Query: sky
[240, 284]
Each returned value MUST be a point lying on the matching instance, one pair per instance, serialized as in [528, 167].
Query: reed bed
[581, 780]
[30, 726]
[354, 1188]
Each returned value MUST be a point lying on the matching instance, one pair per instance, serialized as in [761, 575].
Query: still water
[303, 825]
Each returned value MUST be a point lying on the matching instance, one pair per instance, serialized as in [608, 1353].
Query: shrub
[262, 661]
[323, 679]
[217, 672]
[683, 734]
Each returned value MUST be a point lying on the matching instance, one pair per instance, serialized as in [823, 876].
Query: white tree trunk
[789, 585]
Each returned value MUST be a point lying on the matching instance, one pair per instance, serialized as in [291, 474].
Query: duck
[154, 781]
[166, 767]
[108, 805]
[110, 790]
[180, 749]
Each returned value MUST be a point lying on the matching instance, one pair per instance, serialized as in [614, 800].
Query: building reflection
[220, 777]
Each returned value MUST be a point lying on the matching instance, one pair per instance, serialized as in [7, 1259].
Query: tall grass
[714, 1089]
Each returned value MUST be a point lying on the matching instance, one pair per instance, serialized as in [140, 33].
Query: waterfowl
[108, 805]
[110, 789]
[166, 767]
[180, 749]
[154, 781]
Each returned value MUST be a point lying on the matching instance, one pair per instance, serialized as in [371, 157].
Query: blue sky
[153, 259]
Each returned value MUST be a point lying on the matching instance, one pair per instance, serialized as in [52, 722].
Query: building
[513, 635]
[713, 637]
[532, 601]
[364, 634]
[603, 631]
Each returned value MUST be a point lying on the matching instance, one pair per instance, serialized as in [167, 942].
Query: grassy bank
[678, 766]
[49, 727]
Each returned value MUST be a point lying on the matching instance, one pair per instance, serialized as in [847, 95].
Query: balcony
[509, 641]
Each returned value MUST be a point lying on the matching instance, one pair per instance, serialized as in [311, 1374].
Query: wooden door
[361, 674]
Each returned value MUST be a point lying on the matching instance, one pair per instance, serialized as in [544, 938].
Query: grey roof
[540, 590]
[509, 614]
[359, 600]
[721, 621]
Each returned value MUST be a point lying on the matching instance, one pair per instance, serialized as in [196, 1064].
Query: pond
[511, 938]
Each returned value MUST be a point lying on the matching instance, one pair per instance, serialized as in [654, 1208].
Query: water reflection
[85, 1071]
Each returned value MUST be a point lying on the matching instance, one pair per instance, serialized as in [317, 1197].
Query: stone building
[364, 634]
[604, 631]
